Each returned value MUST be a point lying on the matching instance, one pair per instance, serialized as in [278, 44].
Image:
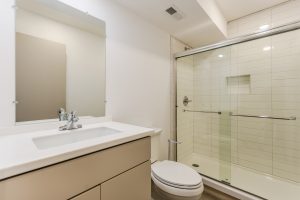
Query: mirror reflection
[60, 61]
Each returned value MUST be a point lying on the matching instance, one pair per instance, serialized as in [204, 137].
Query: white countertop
[18, 153]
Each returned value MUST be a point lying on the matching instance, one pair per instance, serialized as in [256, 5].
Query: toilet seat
[176, 178]
[176, 185]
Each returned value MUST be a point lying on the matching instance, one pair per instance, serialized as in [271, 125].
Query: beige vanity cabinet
[134, 184]
[92, 194]
[121, 172]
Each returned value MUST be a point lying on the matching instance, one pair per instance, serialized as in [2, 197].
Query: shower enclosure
[238, 112]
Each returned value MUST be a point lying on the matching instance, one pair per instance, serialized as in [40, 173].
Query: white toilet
[176, 181]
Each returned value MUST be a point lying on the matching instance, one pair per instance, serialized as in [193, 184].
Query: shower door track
[230, 186]
[245, 38]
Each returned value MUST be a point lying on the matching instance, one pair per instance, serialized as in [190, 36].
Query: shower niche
[240, 84]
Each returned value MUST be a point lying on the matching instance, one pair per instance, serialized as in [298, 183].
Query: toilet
[176, 181]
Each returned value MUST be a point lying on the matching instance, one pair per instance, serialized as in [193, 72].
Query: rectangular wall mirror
[60, 61]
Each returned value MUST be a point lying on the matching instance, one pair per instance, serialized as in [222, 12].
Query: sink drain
[195, 165]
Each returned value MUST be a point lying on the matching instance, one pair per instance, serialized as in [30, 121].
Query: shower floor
[263, 185]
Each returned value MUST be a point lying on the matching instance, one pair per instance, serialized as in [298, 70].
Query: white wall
[212, 10]
[138, 68]
[7, 63]
[85, 53]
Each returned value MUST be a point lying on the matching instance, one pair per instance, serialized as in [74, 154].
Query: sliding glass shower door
[203, 124]
[237, 115]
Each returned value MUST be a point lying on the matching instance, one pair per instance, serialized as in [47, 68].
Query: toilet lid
[176, 173]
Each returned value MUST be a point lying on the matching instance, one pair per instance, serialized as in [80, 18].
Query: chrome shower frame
[245, 38]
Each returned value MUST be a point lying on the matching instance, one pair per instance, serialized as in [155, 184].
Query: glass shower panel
[241, 125]
[185, 119]
[286, 103]
[254, 134]
[203, 125]
[268, 149]
[252, 138]
[220, 100]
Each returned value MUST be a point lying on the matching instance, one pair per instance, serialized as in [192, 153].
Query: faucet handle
[72, 117]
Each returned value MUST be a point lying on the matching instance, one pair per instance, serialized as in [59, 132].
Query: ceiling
[196, 28]
[234, 9]
[195, 22]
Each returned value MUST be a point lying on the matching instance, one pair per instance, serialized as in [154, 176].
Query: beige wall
[40, 78]
[85, 60]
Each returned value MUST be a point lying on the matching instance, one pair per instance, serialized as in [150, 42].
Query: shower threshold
[244, 181]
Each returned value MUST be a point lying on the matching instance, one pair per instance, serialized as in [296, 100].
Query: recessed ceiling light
[264, 27]
[221, 56]
[267, 48]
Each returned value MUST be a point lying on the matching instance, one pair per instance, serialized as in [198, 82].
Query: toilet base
[159, 194]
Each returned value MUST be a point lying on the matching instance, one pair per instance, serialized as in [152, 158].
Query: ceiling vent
[174, 12]
[171, 11]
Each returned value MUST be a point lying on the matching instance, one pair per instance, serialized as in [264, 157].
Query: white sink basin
[72, 137]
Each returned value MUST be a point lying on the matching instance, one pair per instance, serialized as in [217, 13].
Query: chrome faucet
[62, 115]
[71, 122]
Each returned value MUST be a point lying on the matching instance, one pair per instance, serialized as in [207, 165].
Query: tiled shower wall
[270, 146]
[184, 125]
[210, 94]
[286, 102]
[276, 16]
[261, 77]
[252, 137]
[184, 119]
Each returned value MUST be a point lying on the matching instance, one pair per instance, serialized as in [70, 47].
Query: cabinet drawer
[92, 194]
[135, 184]
[67, 179]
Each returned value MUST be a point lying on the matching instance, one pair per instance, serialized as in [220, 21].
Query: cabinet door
[134, 184]
[92, 194]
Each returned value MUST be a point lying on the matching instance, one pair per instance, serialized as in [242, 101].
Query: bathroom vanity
[64, 69]
[110, 166]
